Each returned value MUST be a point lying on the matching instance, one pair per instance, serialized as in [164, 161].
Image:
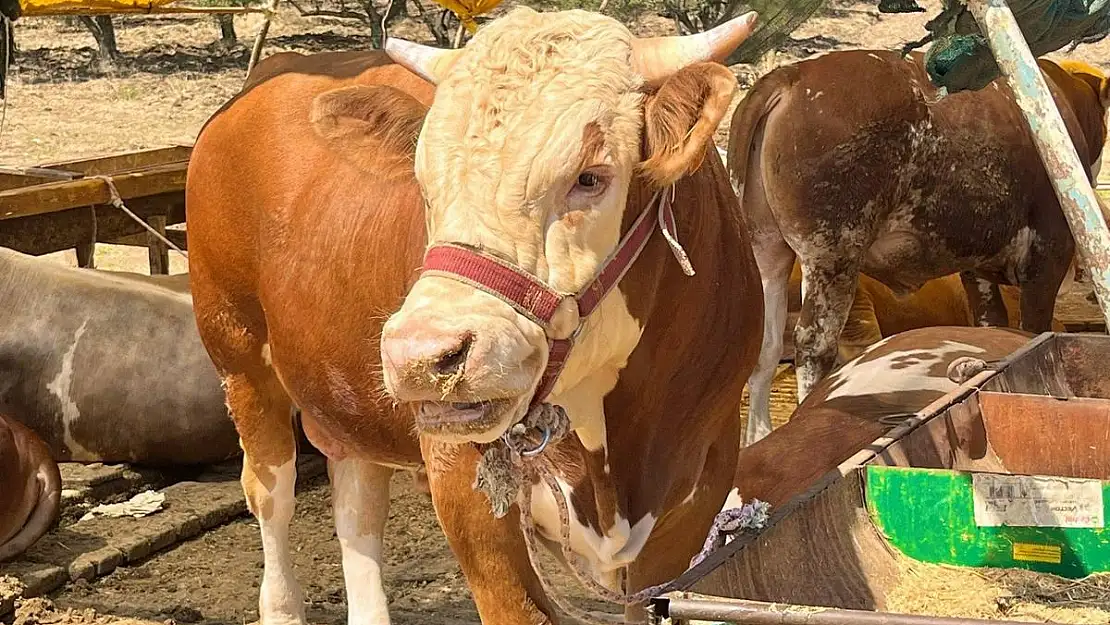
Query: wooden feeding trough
[68, 205]
[1009, 471]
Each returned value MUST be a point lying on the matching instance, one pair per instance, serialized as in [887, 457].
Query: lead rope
[116, 200]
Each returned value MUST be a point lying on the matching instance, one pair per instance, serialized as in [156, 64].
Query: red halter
[536, 300]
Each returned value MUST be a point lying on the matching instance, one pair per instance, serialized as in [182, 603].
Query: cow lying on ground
[901, 187]
[108, 367]
[30, 488]
[895, 377]
[547, 137]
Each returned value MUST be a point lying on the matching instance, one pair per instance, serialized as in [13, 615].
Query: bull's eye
[590, 184]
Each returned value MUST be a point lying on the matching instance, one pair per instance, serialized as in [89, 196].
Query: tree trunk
[378, 26]
[105, 34]
[227, 31]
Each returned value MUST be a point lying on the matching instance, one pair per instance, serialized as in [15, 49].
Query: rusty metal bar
[1069, 177]
[684, 607]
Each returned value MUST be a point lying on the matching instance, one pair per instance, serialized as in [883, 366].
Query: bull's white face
[527, 153]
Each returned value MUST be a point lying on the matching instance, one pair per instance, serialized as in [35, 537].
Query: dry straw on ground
[1010, 594]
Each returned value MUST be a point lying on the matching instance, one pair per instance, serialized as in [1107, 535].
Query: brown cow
[850, 162]
[548, 137]
[850, 408]
[30, 488]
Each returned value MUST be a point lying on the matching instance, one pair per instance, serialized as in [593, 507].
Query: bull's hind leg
[235, 337]
[1048, 264]
[775, 260]
[360, 496]
[985, 299]
[261, 410]
[828, 289]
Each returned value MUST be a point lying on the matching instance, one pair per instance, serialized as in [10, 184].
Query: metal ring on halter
[528, 453]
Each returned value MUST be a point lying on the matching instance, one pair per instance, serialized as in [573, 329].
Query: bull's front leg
[490, 551]
[827, 292]
[360, 499]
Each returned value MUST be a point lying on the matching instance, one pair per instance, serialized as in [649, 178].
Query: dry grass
[1011, 594]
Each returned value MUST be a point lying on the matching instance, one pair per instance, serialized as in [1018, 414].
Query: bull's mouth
[463, 418]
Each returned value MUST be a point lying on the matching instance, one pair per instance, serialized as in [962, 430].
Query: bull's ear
[680, 119]
[369, 123]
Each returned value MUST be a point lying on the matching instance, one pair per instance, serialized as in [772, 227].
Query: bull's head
[528, 153]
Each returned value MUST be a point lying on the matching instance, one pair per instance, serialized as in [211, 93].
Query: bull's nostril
[452, 361]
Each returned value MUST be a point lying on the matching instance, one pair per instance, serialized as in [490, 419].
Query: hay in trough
[987, 593]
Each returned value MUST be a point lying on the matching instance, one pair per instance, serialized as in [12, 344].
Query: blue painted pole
[1068, 175]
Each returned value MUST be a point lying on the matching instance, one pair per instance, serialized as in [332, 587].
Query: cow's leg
[775, 260]
[1048, 264]
[828, 289]
[1038, 303]
[861, 330]
[985, 300]
[490, 551]
[360, 496]
[261, 410]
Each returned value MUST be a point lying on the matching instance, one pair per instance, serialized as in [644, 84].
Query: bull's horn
[429, 63]
[657, 58]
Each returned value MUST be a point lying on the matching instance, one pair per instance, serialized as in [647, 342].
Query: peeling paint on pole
[1069, 177]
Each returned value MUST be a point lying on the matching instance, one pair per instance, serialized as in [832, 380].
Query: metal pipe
[722, 610]
[1069, 177]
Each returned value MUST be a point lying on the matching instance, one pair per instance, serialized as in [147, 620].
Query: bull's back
[256, 156]
[860, 139]
[307, 246]
[857, 403]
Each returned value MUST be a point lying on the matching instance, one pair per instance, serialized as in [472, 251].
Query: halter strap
[539, 302]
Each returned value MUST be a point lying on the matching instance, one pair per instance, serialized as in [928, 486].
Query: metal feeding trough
[1009, 471]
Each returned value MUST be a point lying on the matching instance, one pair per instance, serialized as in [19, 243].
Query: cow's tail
[749, 119]
[45, 512]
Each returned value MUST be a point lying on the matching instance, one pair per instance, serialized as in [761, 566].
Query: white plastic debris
[143, 504]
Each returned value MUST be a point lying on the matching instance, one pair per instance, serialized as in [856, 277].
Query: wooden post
[86, 252]
[1068, 176]
[157, 250]
[86, 255]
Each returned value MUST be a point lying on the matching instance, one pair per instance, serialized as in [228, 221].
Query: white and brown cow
[30, 488]
[855, 404]
[108, 366]
[547, 138]
[849, 162]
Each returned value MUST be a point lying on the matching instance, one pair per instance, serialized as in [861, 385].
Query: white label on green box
[1036, 501]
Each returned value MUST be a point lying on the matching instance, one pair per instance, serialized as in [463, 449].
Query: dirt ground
[172, 77]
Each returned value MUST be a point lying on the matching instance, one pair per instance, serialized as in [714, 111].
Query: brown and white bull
[549, 140]
[857, 403]
[30, 488]
[849, 162]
